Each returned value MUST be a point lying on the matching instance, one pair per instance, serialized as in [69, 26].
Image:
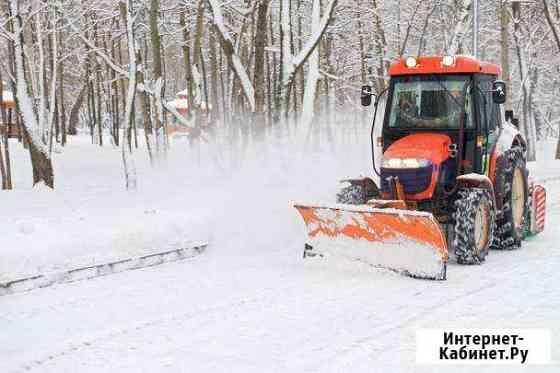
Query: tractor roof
[435, 65]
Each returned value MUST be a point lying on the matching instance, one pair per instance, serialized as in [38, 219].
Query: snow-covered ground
[89, 218]
[249, 303]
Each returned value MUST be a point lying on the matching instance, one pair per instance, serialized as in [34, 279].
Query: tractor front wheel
[473, 225]
[351, 195]
[358, 192]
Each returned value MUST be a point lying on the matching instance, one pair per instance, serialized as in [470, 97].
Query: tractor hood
[430, 146]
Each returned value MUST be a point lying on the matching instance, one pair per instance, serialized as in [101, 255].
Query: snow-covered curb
[544, 180]
[97, 270]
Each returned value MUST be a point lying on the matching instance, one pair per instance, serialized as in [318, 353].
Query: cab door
[488, 115]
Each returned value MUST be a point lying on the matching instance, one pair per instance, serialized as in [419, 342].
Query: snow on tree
[313, 74]
[290, 63]
[32, 119]
[129, 167]
[233, 57]
[461, 28]
[251, 63]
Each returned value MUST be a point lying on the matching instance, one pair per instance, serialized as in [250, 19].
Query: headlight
[405, 163]
[448, 61]
[411, 62]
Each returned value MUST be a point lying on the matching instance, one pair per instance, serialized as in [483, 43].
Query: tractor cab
[442, 120]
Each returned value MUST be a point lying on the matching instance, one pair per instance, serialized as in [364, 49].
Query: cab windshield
[431, 101]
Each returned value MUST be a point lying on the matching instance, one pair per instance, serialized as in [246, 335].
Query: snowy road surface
[261, 308]
[250, 303]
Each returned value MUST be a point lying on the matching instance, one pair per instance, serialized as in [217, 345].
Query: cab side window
[469, 108]
[489, 120]
[489, 111]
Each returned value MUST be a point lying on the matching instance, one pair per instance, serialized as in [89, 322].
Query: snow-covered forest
[114, 69]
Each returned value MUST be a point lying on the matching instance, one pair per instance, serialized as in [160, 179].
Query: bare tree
[556, 33]
[38, 151]
[456, 42]
[127, 15]
[291, 63]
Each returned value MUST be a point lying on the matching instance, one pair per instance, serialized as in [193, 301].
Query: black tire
[508, 235]
[358, 192]
[351, 195]
[470, 202]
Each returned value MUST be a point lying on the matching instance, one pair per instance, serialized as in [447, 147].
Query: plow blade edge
[407, 242]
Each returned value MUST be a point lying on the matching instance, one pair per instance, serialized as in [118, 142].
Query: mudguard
[538, 209]
[408, 242]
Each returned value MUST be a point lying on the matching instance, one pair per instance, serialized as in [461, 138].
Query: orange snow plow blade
[404, 241]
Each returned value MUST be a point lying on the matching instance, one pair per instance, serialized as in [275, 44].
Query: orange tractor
[452, 178]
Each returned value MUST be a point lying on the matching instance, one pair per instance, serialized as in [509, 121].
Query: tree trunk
[61, 106]
[214, 74]
[197, 46]
[556, 33]
[115, 97]
[461, 28]
[128, 160]
[526, 122]
[260, 44]
[234, 60]
[40, 160]
[187, 56]
[5, 168]
[290, 63]
[146, 112]
[380, 46]
[301, 72]
[74, 117]
[313, 76]
[157, 69]
[504, 48]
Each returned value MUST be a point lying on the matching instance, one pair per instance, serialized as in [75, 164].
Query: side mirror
[367, 94]
[499, 91]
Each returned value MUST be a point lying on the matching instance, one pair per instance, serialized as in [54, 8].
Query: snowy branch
[235, 61]
[313, 41]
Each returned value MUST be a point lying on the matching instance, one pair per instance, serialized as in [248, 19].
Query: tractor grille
[413, 180]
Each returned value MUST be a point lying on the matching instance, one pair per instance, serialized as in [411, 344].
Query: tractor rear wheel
[512, 226]
[473, 225]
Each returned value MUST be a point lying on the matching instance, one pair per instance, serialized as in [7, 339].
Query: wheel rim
[481, 227]
[517, 198]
